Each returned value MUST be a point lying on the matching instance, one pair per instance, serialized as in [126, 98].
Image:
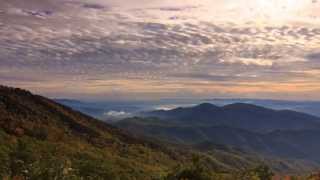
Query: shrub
[196, 171]
[260, 172]
[21, 160]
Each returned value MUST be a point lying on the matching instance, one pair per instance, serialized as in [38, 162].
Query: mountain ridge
[288, 134]
[245, 116]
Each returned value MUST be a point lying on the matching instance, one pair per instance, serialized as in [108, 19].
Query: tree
[21, 160]
[261, 172]
[196, 171]
[264, 172]
[88, 167]
[4, 166]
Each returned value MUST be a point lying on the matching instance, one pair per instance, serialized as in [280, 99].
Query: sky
[155, 49]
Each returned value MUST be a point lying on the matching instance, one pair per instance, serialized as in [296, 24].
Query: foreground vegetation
[29, 158]
[36, 158]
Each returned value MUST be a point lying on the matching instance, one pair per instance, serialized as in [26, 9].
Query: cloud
[39, 13]
[175, 8]
[16, 11]
[116, 115]
[30, 12]
[94, 6]
[313, 56]
[81, 42]
[18, 78]
[248, 61]
[204, 76]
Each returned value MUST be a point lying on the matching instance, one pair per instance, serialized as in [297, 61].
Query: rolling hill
[240, 115]
[281, 134]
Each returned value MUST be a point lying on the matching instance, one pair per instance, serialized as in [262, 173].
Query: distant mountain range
[109, 110]
[277, 133]
[239, 115]
[272, 132]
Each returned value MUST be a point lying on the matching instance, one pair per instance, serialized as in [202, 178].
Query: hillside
[41, 139]
[270, 133]
[283, 144]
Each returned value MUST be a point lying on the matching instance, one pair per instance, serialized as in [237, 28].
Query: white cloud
[248, 62]
[117, 114]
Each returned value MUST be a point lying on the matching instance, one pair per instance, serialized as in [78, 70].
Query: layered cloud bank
[154, 49]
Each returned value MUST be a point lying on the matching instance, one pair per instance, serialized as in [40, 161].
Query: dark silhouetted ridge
[241, 115]
[205, 107]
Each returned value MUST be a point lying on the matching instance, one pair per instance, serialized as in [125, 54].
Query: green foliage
[21, 160]
[188, 173]
[4, 165]
[261, 172]
[196, 171]
[89, 167]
